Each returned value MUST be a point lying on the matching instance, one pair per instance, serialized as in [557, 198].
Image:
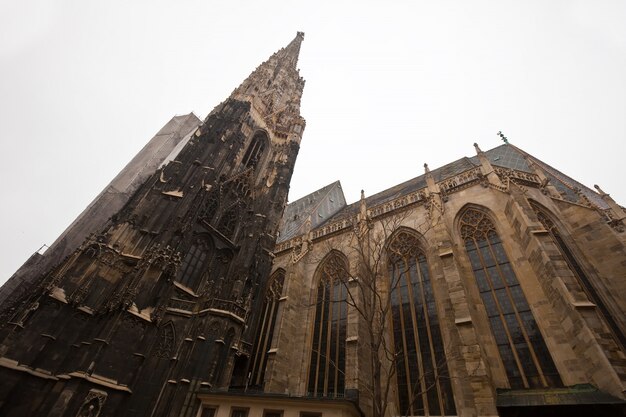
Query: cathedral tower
[161, 302]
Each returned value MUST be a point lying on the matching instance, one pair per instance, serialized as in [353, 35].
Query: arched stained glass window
[328, 351]
[194, 264]
[254, 152]
[266, 327]
[422, 371]
[525, 356]
[581, 276]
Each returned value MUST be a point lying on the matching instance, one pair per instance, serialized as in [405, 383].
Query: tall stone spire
[291, 52]
[274, 89]
[136, 309]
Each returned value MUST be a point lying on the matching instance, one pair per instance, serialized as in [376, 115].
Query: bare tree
[370, 292]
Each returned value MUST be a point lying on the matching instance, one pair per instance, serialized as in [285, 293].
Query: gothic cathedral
[494, 285]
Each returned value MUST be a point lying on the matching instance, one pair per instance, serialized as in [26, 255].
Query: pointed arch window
[328, 351]
[582, 278]
[255, 151]
[228, 223]
[194, 264]
[523, 351]
[422, 371]
[164, 344]
[210, 206]
[266, 327]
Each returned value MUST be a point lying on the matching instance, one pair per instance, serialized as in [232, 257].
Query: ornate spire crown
[291, 52]
[275, 86]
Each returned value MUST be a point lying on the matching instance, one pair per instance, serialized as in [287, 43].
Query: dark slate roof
[409, 186]
[566, 185]
[319, 205]
[505, 156]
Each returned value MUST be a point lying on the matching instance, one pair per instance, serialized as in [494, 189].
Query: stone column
[471, 383]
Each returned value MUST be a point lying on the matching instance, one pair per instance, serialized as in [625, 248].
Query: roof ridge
[328, 186]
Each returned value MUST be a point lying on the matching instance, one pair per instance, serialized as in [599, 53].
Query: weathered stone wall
[93, 219]
[576, 335]
[165, 299]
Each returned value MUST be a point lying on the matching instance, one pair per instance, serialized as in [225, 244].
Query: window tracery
[422, 372]
[255, 150]
[194, 264]
[525, 356]
[92, 404]
[210, 206]
[267, 326]
[165, 341]
[228, 223]
[328, 350]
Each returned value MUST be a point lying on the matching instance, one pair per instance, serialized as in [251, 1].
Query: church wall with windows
[484, 289]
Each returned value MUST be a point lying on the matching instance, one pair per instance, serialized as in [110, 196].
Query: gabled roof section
[409, 186]
[317, 206]
[504, 156]
[565, 185]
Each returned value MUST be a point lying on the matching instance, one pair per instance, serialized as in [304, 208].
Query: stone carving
[476, 225]
[403, 245]
[165, 342]
[157, 314]
[210, 206]
[461, 181]
[26, 313]
[617, 224]
[434, 202]
[93, 403]
[334, 266]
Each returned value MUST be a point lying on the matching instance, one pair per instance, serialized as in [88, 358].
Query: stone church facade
[494, 285]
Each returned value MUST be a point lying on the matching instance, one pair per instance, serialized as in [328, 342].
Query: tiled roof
[318, 206]
[564, 184]
[505, 156]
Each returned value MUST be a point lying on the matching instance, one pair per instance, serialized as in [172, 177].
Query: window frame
[234, 409]
[330, 299]
[517, 339]
[414, 306]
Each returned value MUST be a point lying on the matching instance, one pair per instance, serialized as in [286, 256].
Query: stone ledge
[583, 304]
[15, 365]
[100, 380]
[463, 321]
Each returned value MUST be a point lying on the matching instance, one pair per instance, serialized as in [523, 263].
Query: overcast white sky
[390, 85]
